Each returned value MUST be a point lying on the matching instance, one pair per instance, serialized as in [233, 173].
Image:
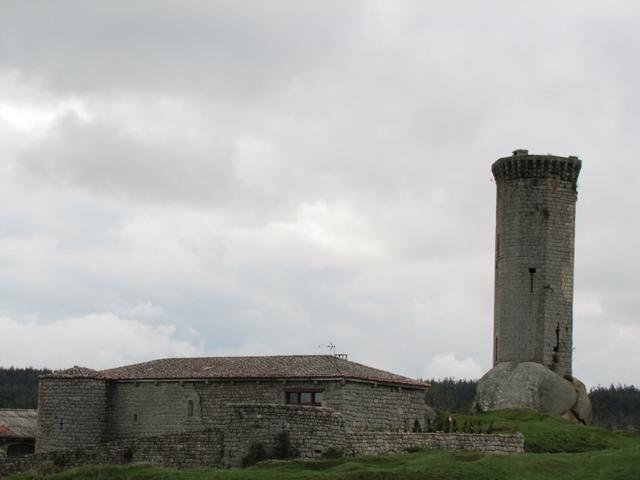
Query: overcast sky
[267, 177]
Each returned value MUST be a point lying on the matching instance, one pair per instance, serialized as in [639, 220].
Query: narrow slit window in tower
[532, 272]
[190, 408]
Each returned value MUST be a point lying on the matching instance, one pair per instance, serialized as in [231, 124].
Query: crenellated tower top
[523, 165]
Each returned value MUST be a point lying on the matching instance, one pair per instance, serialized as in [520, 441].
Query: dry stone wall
[375, 443]
[185, 450]
[371, 407]
[310, 431]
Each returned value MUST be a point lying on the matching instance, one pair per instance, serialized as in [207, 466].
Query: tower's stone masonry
[72, 412]
[533, 309]
[535, 224]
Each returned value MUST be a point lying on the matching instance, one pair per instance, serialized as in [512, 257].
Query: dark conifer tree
[19, 387]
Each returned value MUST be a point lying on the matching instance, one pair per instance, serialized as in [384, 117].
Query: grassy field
[556, 450]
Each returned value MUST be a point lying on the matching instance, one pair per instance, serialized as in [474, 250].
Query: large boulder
[582, 407]
[532, 385]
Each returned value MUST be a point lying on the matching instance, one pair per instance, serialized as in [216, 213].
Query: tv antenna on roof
[331, 347]
[332, 351]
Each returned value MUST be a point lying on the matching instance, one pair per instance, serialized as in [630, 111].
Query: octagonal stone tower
[535, 225]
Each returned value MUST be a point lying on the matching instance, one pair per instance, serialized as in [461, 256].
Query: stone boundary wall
[183, 450]
[376, 443]
[311, 431]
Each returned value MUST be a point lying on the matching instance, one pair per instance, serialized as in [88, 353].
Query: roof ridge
[333, 359]
[255, 366]
[206, 357]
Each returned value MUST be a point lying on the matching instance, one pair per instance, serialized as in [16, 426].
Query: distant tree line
[19, 387]
[450, 395]
[615, 407]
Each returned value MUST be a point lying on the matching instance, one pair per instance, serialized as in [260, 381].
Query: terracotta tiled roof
[73, 372]
[18, 423]
[272, 367]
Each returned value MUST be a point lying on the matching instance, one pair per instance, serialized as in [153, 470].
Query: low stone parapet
[182, 450]
[310, 430]
[375, 443]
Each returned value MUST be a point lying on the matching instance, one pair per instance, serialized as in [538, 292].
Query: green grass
[556, 450]
[548, 434]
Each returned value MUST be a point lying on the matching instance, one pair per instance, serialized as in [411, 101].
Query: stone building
[81, 407]
[17, 431]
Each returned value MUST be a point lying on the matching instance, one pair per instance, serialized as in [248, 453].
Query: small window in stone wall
[135, 418]
[190, 408]
[304, 397]
[532, 272]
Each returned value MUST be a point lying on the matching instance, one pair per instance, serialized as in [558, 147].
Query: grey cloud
[106, 158]
[384, 117]
[235, 48]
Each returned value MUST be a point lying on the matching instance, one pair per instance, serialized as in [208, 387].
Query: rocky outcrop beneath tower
[532, 385]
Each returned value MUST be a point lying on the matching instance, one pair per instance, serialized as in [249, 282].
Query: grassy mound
[549, 434]
[556, 450]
